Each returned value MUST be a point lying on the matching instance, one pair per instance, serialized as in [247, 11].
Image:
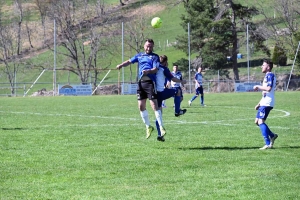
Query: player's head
[175, 68]
[148, 46]
[199, 69]
[163, 60]
[267, 66]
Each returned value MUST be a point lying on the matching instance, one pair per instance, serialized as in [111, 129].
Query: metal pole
[292, 67]
[54, 64]
[15, 84]
[248, 65]
[189, 44]
[122, 52]
[218, 80]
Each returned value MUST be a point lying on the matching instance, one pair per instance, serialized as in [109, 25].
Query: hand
[145, 72]
[257, 106]
[255, 87]
[119, 66]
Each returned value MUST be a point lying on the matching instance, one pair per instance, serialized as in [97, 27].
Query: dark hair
[149, 40]
[270, 63]
[163, 58]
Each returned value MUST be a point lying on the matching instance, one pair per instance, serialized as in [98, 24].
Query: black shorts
[146, 89]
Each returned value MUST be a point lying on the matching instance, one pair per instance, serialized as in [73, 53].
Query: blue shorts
[263, 112]
[177, 89]
[199, 90]
[166, 94]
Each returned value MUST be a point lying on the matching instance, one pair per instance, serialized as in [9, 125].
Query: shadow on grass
[12, 129]
[235, 148]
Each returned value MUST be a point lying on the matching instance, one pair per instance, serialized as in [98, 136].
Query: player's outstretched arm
[123, 64]
[150, 71]
[178, 80]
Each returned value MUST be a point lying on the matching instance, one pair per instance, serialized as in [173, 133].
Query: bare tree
[43, 7]
[19, 9]
[286, 12]
[8, 52]
[80, 37]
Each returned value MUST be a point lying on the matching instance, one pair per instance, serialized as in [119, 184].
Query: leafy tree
[183, 64]
[279, 56]
[215, 31]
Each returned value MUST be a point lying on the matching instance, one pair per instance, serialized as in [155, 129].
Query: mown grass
[95, 148]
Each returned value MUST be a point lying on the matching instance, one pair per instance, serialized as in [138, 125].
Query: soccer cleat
[160, 138]
[203, 104]
[190, 103]
[266, 147]
[181, 112]
[163, 106]
[149, 131]
[273, 140]
[162, 131]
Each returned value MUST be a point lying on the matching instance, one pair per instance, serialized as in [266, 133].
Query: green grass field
[95, 148]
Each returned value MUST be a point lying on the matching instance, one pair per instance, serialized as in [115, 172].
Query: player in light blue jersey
[266, 104]
[177, 86]
[198, 86]
[148, 63]
[163, 92]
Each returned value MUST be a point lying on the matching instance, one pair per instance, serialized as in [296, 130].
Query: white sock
[145, 117]
[158, 116]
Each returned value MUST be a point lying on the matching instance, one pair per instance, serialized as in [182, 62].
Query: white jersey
[162, 74]
[268, 98]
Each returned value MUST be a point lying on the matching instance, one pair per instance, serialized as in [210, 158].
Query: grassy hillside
[164, 37]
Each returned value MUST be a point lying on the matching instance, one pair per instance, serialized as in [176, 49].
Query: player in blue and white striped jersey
[266, 104]
[198, 86]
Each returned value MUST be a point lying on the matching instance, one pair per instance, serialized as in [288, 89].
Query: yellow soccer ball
[156, 22]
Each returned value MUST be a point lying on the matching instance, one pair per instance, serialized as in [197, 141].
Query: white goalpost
[101, 82]
[34, 82]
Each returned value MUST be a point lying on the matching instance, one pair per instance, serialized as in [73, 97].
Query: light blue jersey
[268, 98]
[146, 62]
[162, 74]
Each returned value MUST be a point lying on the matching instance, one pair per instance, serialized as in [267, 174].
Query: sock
[157, 128]
[270, 133]
[202, 99]
[264, 131]
[177, 101]
[158, 117]
[145, 117]
[194, 97]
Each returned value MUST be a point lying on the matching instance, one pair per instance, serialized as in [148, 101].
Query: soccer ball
[156, 22]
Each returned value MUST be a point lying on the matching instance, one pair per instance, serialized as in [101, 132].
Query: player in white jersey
[198, 86]
[164, 93]
[266, 103]
[177, 86]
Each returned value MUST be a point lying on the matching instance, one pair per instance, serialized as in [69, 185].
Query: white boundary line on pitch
[218, 122]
